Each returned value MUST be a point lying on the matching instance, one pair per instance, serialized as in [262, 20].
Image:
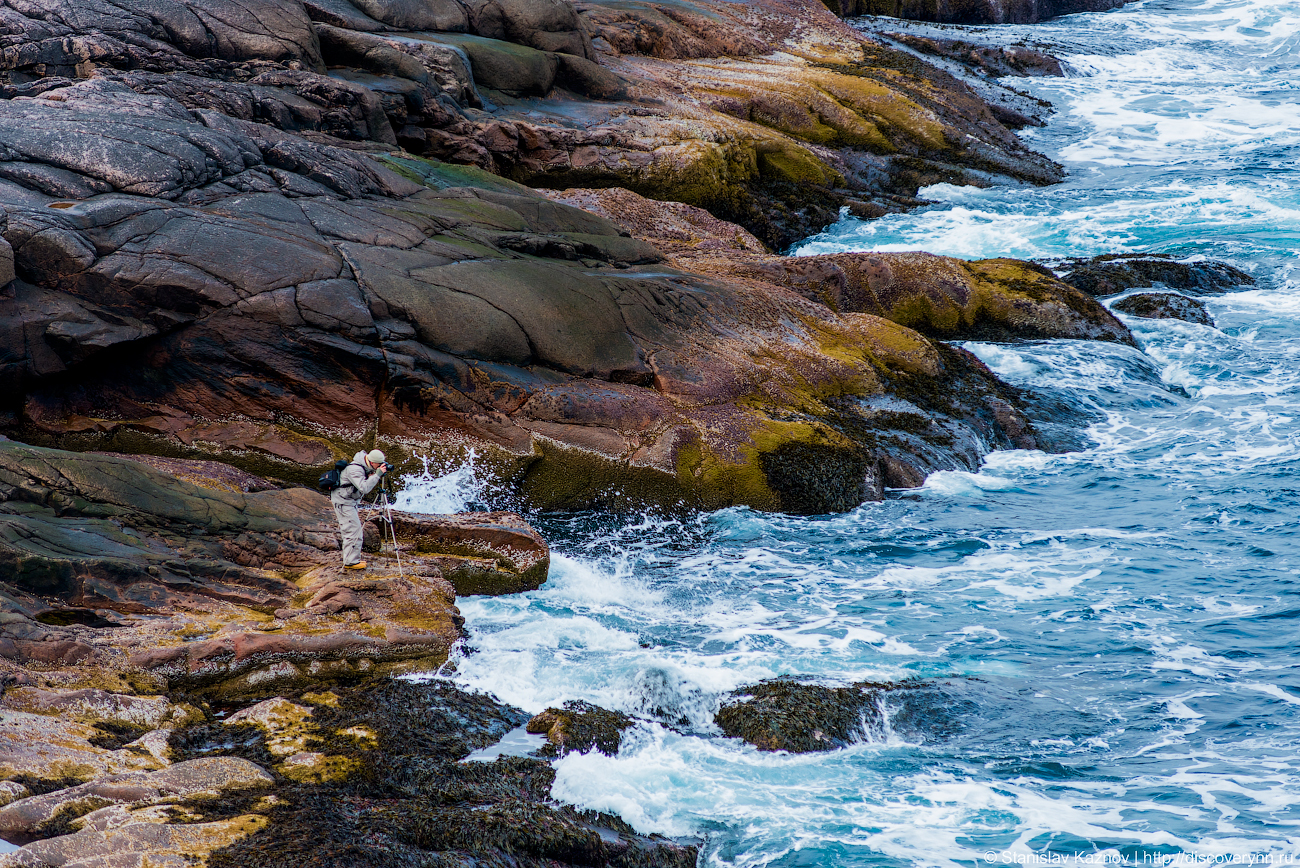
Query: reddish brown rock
[250, 272]
[479, 553]
[219, 590]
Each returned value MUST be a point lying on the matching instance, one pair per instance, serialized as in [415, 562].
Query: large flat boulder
[74, 37]
[199, 582]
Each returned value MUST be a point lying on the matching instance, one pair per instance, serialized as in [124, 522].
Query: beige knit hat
[375, 457]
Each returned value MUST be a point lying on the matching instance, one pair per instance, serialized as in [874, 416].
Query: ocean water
[1109, 635]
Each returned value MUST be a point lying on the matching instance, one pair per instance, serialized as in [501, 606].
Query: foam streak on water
[1110, 632]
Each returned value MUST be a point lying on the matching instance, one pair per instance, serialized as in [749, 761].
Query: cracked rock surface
[271, 232]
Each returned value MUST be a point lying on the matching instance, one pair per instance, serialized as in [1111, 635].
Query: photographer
[356, 481]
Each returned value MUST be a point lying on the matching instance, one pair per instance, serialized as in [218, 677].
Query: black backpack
[329, 480]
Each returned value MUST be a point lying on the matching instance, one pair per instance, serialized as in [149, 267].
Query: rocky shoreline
[243, 238]
[221, 250]
[186, 674]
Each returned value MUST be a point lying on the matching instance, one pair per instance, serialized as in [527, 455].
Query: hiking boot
[359, 565]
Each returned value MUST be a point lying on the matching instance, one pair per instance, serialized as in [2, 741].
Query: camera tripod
[386, 514]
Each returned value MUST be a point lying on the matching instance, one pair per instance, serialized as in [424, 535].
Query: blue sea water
[1110, 633]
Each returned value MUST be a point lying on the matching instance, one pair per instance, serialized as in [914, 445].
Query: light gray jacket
[356, 481]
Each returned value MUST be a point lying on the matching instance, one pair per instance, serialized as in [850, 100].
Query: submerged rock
[1165, 305]
[1113, 274]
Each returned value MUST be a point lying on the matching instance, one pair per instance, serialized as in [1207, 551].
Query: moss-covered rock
[580, 726]
[1114, 273]
[410, 800]
[786, 714]
[1165, 305]
[946, 298]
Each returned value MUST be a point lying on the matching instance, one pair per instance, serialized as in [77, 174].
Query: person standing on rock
[356, 481]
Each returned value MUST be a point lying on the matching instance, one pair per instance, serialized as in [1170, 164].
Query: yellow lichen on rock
[142, 844]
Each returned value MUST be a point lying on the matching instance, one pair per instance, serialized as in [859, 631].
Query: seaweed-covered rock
[580, 726]
[790, 715]
[365, 775]
[1113, 274]
[1165, 305]
[409, 800]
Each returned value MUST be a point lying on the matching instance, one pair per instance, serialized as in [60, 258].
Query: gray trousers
[350, 528]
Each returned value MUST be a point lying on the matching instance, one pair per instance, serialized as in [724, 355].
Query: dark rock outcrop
[971, 11]
[992, 61]
[799, 718]
[580, 726]
[370, 774]
[790, 715]
[1112, 274]
[1165, 305]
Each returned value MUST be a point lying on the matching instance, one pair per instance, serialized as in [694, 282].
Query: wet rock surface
[789, 715]
[1110, 275]
[369, 774]
[580, 726]
[1165, 305]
